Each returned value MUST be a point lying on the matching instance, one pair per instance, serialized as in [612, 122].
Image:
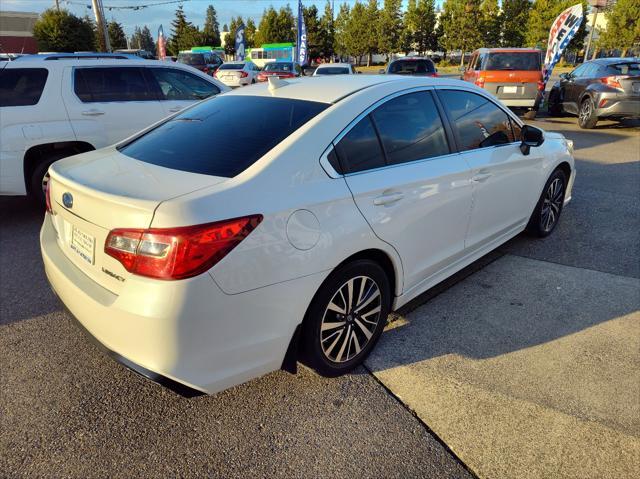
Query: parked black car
[603, 88]
[414, 66]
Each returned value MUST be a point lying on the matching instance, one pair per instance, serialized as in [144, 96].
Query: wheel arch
[38, 153]
[376, 255]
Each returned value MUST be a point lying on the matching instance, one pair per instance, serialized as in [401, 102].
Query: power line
[127, 7]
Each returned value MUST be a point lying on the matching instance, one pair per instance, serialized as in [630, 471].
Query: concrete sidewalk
[525, 369]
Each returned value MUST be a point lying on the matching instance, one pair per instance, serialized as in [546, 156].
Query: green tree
[230, 39]
[491, 23]
[357, 32]
[390, 27]
[146, 40]
[312, 24]
[419, 26]
[542, 15]
[117, 37]
[286, 25]
[326, 33]
[268, 26]
[461, 26]
[61, 31]
[211, 28]
[250, 34]
[341, 30]
[372, 18]
[623, 26]
[184, 36]
[515, 14]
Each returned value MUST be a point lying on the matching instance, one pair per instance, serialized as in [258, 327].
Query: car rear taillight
[480, 82]
[244, 74]
[541, 85]
[205, 70]
[177, 253]
[47, 196]
[613, 81]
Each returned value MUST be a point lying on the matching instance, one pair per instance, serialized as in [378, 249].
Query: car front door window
[178, 85]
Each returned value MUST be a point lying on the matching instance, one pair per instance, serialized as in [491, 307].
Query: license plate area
[635, 87]
[510, 89]
[83, 244]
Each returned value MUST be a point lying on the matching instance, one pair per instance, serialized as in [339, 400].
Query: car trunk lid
[95, 192]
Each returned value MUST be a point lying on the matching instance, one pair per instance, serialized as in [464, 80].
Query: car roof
[76, 60]
[611, 60]
[332, 88]
[411, 58]
[334, 65]
[508, 50]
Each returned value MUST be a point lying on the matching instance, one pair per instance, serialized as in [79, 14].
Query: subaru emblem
[67, 200]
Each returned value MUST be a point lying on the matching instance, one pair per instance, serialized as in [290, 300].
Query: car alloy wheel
[552, 205]
[350, 319]
[586, 116]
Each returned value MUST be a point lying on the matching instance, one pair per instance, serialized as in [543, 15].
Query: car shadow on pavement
[24, 290]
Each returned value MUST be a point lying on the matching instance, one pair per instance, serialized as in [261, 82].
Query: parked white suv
[58, 105]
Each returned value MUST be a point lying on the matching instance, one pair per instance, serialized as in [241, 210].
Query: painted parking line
[525, 369]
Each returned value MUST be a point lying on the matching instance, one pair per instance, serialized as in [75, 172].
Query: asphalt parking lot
[525, 365]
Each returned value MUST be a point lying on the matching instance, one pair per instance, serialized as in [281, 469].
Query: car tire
[40, 177]
[587, 118]
[338, 334]
[546, 215]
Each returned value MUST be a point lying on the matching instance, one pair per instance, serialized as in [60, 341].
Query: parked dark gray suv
[603, 88]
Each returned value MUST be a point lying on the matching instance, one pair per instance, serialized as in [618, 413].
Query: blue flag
[303, 54]
[240, 42]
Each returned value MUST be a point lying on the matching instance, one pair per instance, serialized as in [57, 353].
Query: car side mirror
[530, 136]
[381, 71]
[564, 76]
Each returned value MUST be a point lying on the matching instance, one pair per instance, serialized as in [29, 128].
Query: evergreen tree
[341, 31]
[623, 26]
[409, 28]
[61, 31]
[491, 23]
[211, 28]
[326, 34]
[419, 27]
[146, 40]
[357, 32]
[230, 39]
[542, 15]
[225, 28]
[250, 34]
[390, 27]
[372, 19]
[285, 32]
[514, 16]
[117, 37]
[267, 29]
[312, 24]
[462, 26]
[184, 36]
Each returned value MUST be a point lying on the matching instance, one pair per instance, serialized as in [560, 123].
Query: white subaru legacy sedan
[286, 221]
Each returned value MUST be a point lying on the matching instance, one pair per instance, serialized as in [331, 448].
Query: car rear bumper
[524, 103]
[188, 334]
[610, 106]
[237, 82]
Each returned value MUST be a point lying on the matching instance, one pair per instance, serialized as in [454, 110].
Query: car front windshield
[222, 136]
[278, 67]
[519, 61]
[332, 71]
[191, 58]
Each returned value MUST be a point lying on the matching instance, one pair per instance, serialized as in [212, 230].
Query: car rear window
[22, 86]
[631, 69]
[224, 135]
[412, 67]
[278, 67]
[332, 71]
[191, 58]
[231, 66]
[519, 61]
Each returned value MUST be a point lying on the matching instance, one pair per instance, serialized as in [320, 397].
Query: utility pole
[596, 4]
[101, 24]
[58, 5]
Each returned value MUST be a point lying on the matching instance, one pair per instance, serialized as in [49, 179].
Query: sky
[164, 14]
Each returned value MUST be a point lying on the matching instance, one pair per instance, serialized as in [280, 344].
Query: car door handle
[388, 199]
[480, 177]
[93, 112]
[175, 109]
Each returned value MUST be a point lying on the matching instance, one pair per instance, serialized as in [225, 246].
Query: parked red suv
[513, 75]
[280, 70]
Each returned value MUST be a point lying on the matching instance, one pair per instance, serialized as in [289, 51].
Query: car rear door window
[360, 149]
[22, 86]
[107, 84]
[477, 122]
[410, 128]
[176, 84]
[224, 135]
